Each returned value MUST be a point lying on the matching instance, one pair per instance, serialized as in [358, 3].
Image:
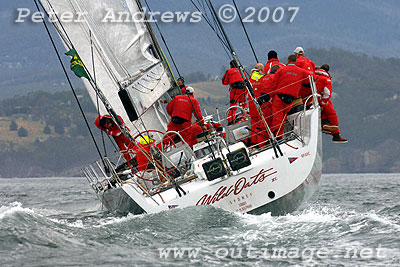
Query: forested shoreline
[43, 133]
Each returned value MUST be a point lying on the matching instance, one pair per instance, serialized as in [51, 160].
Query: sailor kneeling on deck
[181, 109]
[107, 124]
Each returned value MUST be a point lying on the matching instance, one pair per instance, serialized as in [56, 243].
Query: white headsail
[119, 55]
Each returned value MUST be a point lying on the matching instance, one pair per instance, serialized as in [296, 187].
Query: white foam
[250, 219]
[381, 219]
[312, 214]
[76, 224]
[12, 208]
[315, 215]
[115, 220]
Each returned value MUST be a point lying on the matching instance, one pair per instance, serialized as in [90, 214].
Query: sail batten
[118, 54]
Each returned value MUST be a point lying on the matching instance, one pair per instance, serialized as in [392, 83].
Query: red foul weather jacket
[255, 81]
[288, 80]
[232, 76]
[124, 144]
[324, 85]
[113, 130]
[305, 64]
[182, 107]
[270, 63]
[183, 90]
[267, 83]
[262, 86]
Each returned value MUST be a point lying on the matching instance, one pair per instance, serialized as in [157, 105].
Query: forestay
[117, 55]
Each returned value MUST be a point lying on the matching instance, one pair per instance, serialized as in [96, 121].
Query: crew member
[107, 124]
[142, 147]
[328, 115]
[303, 62]
[264, 92]
[181, 109]
[181, 84]
[286, 87]
[272, 61]
[307, 65]
[255, 80]
[237, 96]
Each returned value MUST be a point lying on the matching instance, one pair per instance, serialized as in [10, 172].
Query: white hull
[269, 184]
[129, 75]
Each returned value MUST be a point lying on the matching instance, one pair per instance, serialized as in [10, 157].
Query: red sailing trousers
[279, 111]
[237, 97]
[187, 131]
[258, 130]
[329, 113]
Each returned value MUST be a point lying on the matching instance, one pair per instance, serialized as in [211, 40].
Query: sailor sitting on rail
[330, 122]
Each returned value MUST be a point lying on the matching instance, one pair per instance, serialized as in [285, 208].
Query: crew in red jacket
[107, 124]
[181, 109]
[303, 62]
[143, 148]
[255, 80]
[328, 114]
[285, 89]
[272, 61]
[237, 96]
[264, 100]
[263, 90]
[307, 65]
[181, 84]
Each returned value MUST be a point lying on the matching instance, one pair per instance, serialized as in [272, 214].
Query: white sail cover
[117, 55]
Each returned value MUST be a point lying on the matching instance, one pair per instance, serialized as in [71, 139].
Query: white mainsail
[117, 55]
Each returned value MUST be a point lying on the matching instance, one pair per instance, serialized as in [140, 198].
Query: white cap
[298, 50]
[189, 90]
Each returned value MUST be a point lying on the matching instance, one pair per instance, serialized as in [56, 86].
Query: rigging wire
[94, 86]
[222, 32]
[64, 38]
[64, 35]
[245, 30]
[223, 43]
[274, 142]
[164, 41]
[211, 43]
[67, 41]
[69, 80]
[97, 97]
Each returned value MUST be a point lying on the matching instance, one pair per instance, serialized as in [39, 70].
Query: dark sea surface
[353, 220]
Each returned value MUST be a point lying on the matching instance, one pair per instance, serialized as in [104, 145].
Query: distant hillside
[367, 91]
[28, 61]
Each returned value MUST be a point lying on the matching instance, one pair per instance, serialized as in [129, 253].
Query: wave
[12, 209]
[311, 215]
[384, 221]
[94, 221]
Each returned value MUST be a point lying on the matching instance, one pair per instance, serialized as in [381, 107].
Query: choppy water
[353, 220]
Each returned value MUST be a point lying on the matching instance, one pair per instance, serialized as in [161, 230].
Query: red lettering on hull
[237, 188]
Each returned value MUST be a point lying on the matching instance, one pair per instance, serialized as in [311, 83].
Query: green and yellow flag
[76, 64]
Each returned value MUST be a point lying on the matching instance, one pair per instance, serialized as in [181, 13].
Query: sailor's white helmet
[189, 90]
[299, 50]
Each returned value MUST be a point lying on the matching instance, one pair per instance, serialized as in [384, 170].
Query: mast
[126, 59]
[68, 35]
[250, 89]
